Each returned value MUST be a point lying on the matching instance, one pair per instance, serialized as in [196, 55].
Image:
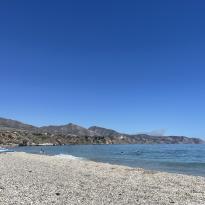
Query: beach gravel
[38, 179]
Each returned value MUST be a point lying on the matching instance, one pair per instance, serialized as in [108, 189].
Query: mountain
[70, 128]
[13, 132]
[103, 131]
[8, 123]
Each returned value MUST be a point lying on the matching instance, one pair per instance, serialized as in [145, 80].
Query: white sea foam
[67, 156]
[3, 150]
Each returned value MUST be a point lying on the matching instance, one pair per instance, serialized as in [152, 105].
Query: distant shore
[39, 179]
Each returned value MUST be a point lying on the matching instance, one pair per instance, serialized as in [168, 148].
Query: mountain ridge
[16, 132]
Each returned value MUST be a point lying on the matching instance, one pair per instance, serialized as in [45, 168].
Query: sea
[175, 158]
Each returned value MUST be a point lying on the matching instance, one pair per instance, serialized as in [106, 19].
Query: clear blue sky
[133, 66]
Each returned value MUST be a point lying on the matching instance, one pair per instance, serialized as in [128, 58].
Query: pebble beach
[40, 179]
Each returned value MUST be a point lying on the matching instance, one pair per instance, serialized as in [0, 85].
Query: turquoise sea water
[186, 159]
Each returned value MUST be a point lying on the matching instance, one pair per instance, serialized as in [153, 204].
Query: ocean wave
[4, 150]
[68, 156]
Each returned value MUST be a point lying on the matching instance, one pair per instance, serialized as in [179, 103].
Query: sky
[134, 66]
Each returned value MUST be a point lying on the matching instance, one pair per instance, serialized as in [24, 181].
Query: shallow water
[186, 159]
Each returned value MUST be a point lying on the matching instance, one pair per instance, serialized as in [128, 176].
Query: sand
[39, 179]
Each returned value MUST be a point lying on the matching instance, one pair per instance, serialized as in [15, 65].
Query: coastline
[40, 179]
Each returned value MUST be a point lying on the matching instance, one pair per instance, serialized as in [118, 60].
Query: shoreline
[69, 156]
[193, 167]
[41, 179]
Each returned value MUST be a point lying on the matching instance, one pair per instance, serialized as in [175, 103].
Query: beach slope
[39, 179]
